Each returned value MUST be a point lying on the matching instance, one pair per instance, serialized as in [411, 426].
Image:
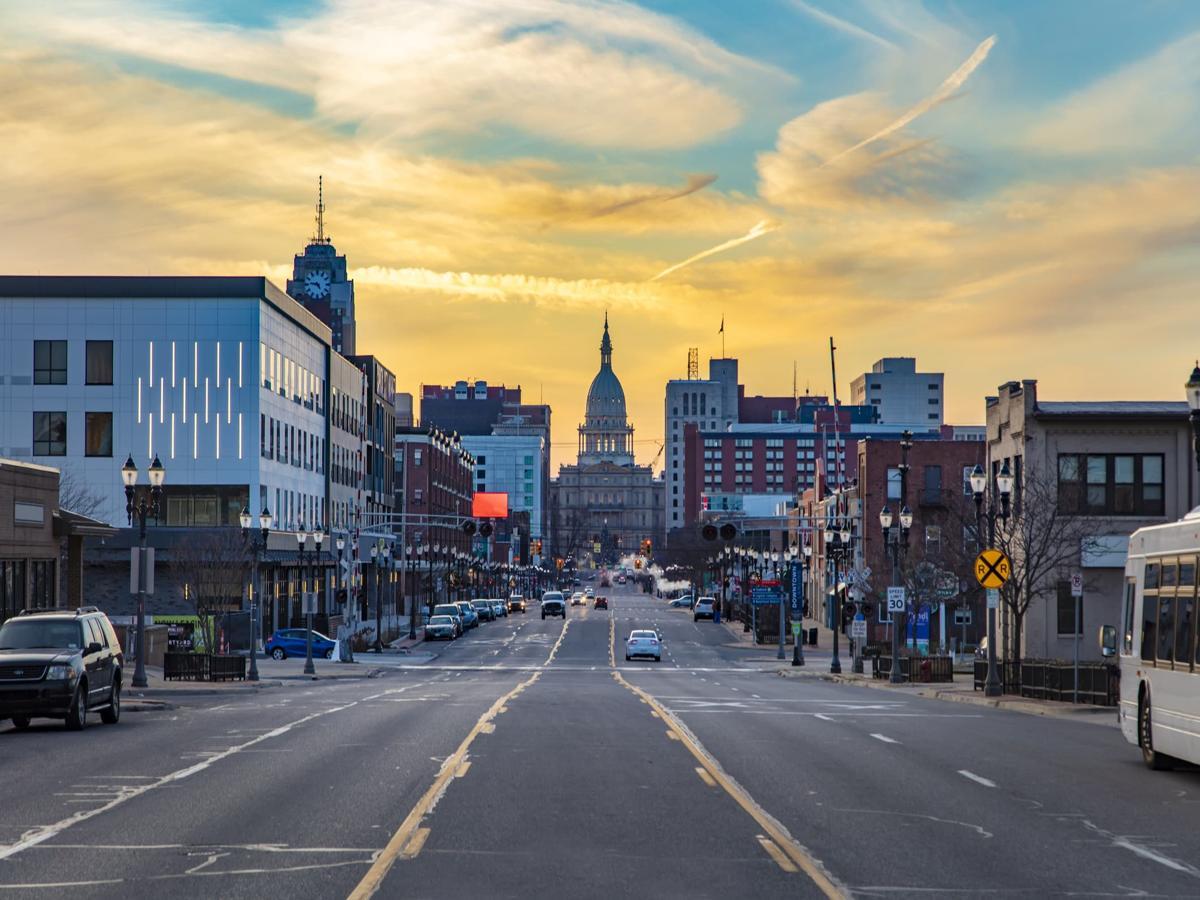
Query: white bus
[1156, 643]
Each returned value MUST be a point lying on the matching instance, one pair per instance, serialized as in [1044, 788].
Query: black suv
[60, 664]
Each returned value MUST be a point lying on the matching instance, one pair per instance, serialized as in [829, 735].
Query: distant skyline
[1002, 190]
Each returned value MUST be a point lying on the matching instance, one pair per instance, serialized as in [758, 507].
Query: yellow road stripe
[462, 769]
[672, 735]
[807, 863]
[406, 833]
[776, 854]
[705, 777]
[415, 843]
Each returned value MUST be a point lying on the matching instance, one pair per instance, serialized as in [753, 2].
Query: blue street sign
[797, 588]
[765, 595]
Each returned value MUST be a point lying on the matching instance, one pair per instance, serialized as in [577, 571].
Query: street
[529, 759]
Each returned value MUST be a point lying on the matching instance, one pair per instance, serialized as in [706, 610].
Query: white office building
[711, 403]
[900, 394]
[511, 464]
[224, 379]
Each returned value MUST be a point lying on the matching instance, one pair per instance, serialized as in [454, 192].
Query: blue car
[287, 642]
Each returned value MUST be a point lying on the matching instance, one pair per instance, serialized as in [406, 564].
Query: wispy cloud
[694, 183]
[842, 25]
[760, 228]
[944, 92]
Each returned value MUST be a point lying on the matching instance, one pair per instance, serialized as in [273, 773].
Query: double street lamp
[896, 540]
[142, 508]
[257, 541]
[380, 553]
[839, 537]
[979, 487]
[313, 555]
[802, 574]
[348, 650]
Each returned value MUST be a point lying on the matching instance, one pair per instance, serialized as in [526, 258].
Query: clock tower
[319, 282]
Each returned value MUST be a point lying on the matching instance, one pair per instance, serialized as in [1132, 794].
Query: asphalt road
[531, 760]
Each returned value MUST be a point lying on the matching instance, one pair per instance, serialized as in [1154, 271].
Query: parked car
[60, 664]
[285, 642]
[577, 598]
[681, 603]
[600, 603]
[500, 607]
[704, 609]
[441, 628]
[485, 610]
[516, 603]
[469, 616]
[643, 643]
[553, 604]
[621, 579]
[451, 610]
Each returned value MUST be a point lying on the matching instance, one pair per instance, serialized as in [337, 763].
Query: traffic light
[485, 529]
[867, 609]
[709, 532]
[704, 502]
[847, 615]
[469, 526]
[728, 531]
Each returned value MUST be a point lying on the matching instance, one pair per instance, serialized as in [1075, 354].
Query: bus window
[1149, 627]
[1130, 592]
[1151, 576]
[1166, 628]
[1184, 630]
[1187, 573]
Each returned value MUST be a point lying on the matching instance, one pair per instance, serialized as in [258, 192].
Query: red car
[601, 603]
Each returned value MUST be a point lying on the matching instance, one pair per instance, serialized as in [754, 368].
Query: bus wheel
[1156, 761]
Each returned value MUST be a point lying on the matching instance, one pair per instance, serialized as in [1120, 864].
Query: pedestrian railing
[203, 667]
[929, 669]
[1054, 679]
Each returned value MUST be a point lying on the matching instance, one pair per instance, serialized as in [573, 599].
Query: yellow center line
[407, 834]
[778, 855]
[783, 841]
[705, 777]
[415, 843]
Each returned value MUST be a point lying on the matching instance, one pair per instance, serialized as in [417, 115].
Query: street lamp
[1193, 396]
[347, 654]
[258, 543]
[145, 506]
[896, 541]
[375, 561]
[1004, 486]
[801, 572]
[306, 606]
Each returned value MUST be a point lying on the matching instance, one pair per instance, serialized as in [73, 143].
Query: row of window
[278, 372]
[1168, 614]
[50, 362]
[289, 444]
[1111, 484]
[50, 433]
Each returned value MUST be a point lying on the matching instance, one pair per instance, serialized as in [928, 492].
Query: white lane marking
[978, 779]
[822, 717]
[884, 738]
[49, 831]
[1126, 842]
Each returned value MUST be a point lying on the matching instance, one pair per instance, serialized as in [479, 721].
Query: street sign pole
[1077, 597]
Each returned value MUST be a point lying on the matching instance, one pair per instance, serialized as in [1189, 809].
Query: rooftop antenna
[320, 238]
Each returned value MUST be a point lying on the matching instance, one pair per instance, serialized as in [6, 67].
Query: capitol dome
[605, 435]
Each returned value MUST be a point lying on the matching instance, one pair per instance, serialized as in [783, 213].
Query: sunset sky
[1003, 190]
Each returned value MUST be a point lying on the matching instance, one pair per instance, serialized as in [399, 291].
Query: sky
[1002, 190]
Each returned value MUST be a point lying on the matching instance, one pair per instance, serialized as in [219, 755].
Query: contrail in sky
[938, 97]
[694, 183]
[766, 226]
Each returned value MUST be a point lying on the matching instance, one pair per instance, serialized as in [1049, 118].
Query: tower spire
[320, 238]
[606, 344]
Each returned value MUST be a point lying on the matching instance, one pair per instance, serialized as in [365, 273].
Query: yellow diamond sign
[992, 568]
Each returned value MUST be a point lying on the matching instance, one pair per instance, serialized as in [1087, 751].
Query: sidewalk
[961, 690]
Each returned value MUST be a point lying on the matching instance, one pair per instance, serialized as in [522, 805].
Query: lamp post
[377, 646]
[896, 540]
[411, 592]
[143, 507]
[979, 487]
[1193, 396]
[798, 640]
[346, 653]
[258, 543]
[301, 541]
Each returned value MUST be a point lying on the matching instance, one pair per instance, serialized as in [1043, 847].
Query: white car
[643, 643]
[577, 599]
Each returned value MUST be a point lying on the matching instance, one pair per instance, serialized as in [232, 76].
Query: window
[933, 540]
[893, 483]
[98, 368]
[933, 415]
[1066, 611]
[1166, 628]
[49, 362]
[416, 456]
[1110, 485]
[481, 460]
[1185, 609]
[933, 401]
[98, 432]
[1130, 593]
[933, 484]
[50, 434]
[932, 386]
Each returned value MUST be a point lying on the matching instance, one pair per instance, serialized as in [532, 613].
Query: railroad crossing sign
[992, 568]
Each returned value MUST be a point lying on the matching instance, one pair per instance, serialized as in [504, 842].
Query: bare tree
[1043, 545]
[76, 495]
[214, 567]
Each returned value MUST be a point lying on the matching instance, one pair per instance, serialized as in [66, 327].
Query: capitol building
[605, 505]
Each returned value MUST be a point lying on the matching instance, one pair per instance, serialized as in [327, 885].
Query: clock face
[316, 284]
